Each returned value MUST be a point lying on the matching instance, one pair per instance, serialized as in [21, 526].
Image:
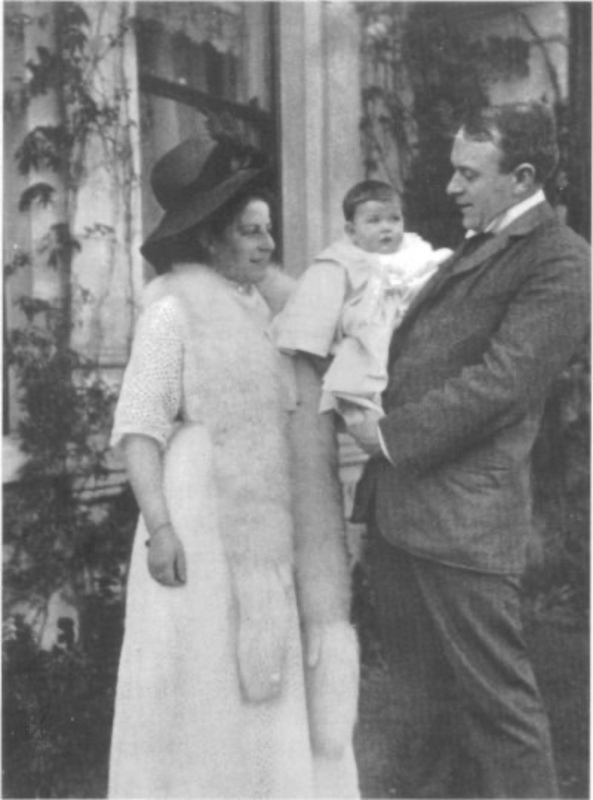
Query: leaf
[20, 259]
[31, 306]
[42, 193]
[44, 72]
[74, 15]
[62, 244]
[100, 230]
[15, 23]
[45, 146]
[74, 39]
[64, 238]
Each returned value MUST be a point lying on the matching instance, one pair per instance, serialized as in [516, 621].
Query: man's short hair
[525, 133]
[363, 192]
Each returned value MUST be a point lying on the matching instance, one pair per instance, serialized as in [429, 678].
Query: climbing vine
[420, 74]
[59, 542]
[65, 403]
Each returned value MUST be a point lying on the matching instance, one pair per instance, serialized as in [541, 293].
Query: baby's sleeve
[309, 321]
[150, 396]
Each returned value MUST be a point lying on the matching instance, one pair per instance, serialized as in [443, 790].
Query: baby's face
[378, 226]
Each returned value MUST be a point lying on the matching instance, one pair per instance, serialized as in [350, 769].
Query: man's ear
[349, 228]
[524, 178]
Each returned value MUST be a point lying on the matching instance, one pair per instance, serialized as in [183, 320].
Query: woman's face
[243, 251]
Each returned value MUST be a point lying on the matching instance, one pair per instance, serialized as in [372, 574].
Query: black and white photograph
[296, 399]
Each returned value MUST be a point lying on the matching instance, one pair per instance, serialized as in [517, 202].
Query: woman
[216, 696]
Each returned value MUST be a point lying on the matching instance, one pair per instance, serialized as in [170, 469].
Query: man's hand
[166, 557]
[363, 426]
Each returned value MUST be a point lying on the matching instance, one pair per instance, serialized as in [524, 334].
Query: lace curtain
[220, 24]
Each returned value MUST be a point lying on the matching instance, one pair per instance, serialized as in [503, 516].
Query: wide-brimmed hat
[193, 180]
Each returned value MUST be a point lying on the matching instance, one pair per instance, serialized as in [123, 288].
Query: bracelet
[157, 529]
[161, 526]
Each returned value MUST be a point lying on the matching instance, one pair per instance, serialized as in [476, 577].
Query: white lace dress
[182, 727]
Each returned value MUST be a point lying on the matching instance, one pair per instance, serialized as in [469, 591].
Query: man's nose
[453, 187]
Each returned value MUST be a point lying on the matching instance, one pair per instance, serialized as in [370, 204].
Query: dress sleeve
[309, 321]
[151, 392]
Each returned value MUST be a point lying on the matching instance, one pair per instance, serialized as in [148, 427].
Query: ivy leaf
[15, 23]
[32, 306]
[64, 244]
[74, 40]
[44, 72]
[15, 99]
[20, 259]
[99, 230]
[44, 146]
[42, 193]
[75, 15]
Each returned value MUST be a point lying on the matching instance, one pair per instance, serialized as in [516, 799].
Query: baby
[353, 296]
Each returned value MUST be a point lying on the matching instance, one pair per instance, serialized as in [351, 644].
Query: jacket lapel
[517, 229]
[459, 263]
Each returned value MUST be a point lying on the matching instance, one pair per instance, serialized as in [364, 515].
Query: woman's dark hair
[525, 133]
[217, 222]
[187, 246]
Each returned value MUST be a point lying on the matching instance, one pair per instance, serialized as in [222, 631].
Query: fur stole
[233, 388]
[280, 502]
[322, 570]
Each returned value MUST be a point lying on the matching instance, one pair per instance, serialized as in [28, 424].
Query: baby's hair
[363, 192]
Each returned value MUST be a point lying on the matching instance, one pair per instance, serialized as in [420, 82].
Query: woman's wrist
[156, 530]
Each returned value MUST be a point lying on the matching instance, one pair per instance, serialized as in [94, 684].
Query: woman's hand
[166, 557]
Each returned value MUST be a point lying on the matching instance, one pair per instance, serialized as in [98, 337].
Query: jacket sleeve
[543, 326]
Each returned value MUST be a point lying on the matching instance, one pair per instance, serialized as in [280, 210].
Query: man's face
[478, 187]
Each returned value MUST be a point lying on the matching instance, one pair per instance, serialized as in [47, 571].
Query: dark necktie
[472, 243]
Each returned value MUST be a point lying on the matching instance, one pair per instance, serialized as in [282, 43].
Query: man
[448, 486]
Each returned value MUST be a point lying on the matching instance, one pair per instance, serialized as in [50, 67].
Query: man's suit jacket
[469, 370]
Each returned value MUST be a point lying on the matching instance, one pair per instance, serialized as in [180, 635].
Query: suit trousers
[469, 716]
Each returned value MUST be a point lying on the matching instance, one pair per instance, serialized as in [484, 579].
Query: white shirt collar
[511, 214]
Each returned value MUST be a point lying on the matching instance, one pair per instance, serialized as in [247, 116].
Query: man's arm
[543, 326]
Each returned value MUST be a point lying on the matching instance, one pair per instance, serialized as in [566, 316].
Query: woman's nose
[267, 242]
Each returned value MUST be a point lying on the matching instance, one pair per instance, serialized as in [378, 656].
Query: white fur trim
[276, 288]
[263, 631]
[234, 386]
[323, 575]
[332, 691]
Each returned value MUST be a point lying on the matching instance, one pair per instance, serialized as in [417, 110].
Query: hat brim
[196, 210]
